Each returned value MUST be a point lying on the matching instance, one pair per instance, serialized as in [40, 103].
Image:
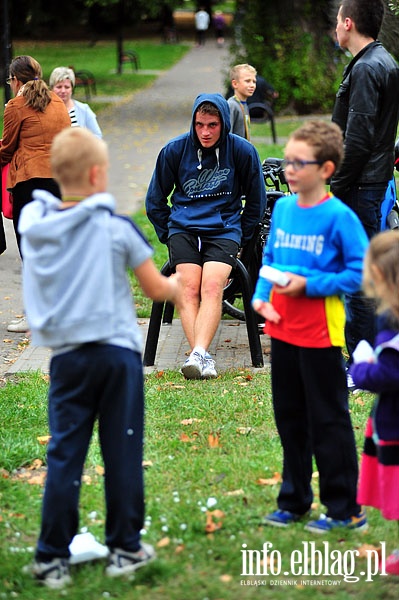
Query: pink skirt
[379, 475]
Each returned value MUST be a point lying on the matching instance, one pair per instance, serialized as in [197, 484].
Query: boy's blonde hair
[73, 152]
[324, 137]
[235, 71]
[383, 253]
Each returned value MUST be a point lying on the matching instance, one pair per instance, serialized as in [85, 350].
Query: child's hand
[175, 290]
[267, 310]
[295, 287]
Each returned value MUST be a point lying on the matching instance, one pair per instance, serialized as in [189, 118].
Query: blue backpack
[390, 208]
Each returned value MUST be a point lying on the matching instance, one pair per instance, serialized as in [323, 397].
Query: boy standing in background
[243, 82]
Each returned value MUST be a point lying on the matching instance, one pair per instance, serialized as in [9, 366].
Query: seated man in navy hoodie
[205, 171]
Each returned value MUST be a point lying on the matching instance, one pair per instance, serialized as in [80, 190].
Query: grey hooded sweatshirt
[75, 285]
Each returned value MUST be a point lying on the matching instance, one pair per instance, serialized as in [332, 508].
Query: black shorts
[189, 248]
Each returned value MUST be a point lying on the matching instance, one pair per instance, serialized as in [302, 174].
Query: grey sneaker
[192, 368]
[208, 369]
[18, 325]
[122, 562]
[54, 574]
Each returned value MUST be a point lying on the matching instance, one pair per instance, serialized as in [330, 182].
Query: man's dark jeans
[366, 202]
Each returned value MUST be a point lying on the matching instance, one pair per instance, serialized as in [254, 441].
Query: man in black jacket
[367, 110]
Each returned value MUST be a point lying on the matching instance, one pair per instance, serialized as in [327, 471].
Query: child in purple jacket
[378, 371]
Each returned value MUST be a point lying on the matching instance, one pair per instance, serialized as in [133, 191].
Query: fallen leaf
[99, 470]
[179, 548]
[211, 525]
[214, 440]
[37, 463]
[365, 549]
[190, 421]
[225, 578]
[272, 481]
[163, 542]
[38, 479]
[185, 438]
[43, 439]
[146, 464]
[239, 492]
[244, 430]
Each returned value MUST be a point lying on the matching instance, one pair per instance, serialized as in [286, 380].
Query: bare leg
[202, 293]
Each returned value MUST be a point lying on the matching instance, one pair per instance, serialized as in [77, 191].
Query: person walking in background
[62, 82]
[202, 22]
[312, 241]
[205, 172]
[31, 120]
[378, 372]
[219, 24]
[78, 301]
[367, 111]
[243, 82]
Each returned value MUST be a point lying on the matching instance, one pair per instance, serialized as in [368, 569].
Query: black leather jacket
[367, 110]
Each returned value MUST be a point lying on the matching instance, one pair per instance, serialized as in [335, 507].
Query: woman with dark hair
[31, 120]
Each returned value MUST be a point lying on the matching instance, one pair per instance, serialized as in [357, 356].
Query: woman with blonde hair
[32, 118]
[62, 82]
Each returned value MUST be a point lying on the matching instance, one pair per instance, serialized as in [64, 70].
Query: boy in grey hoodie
[78, 302]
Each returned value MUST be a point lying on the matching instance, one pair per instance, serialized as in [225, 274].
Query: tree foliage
[292, 43]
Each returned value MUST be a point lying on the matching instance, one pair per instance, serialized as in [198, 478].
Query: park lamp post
[5, 50]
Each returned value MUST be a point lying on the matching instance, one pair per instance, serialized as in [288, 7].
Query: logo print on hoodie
[207, 180]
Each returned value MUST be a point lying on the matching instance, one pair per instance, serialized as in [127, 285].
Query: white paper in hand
[274, 275]
[363, 352]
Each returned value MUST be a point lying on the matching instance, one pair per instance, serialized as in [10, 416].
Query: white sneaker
[54, 574]
[122, 562]
[351, 384]
[208, 370]
[192, 368]
[18, 325]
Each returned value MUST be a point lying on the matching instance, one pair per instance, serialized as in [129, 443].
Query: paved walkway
[135, 129]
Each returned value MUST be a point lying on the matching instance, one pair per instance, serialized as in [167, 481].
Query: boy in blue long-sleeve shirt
[319, 243]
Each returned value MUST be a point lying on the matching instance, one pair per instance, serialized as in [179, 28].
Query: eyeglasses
[298, 164]
[9, 80]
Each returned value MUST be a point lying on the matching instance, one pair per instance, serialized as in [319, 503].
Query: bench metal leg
[251, 320]
[154, 326]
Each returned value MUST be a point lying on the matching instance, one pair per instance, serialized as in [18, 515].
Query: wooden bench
[86, 79]
[130, 56]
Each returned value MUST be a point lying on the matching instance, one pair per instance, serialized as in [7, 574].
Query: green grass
[101, 60]
[186, 471]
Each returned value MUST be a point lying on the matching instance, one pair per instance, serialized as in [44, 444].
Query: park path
[135, 129]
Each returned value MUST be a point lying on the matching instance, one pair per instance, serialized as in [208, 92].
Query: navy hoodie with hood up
[207, 184]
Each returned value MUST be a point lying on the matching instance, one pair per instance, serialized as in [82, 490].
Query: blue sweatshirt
[207, 184]
[75, 284]
[326, 244]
